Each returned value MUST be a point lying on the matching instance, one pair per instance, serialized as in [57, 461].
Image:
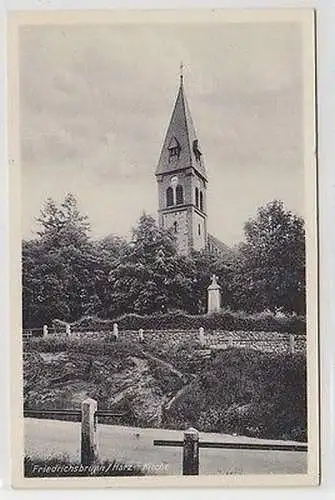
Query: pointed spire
[181, 146]
[181, 74]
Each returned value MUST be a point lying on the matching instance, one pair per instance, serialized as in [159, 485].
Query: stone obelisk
[214, 296]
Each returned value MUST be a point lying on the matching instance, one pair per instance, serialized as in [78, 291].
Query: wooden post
[88, 432]
[140, 335]
[68, 330]
[45, 330]
[191, 452]
[292, 344]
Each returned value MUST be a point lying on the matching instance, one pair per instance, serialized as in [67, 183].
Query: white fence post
[89, 454]
[202, 338]
[115, 331]
[292, 344]
[45, 330]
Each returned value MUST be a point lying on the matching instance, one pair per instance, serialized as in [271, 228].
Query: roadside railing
[191, 445]
[88, 415]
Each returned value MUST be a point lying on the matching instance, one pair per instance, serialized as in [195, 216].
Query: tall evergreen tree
[58, 267]
[143, 280]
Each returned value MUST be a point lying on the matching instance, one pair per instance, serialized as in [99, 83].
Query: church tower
[182, 179]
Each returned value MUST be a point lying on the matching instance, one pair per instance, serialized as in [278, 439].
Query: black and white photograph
[164, 217]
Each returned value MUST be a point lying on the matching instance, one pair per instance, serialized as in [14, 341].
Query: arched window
[169, 197]
[201, 201]
[196, 197]
[179, 195]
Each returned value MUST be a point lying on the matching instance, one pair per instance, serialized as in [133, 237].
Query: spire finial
[181, 74]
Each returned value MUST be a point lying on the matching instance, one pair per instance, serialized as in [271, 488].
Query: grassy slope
[236, 391]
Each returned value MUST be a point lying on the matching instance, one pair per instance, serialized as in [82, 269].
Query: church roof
[223, 249]
[181, 137]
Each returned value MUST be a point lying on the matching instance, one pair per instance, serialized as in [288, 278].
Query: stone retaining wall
[265, 341]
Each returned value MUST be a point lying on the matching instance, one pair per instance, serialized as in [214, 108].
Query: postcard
[164, 266]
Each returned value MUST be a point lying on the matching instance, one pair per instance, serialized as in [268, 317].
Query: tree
[67, 275]
[151, 277]
[64, 223]
[271, 266]
[147, 277]
[107, 253]
[198, 269]
[42, 289]
[59, 266]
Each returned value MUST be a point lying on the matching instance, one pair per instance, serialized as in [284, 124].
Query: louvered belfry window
[201, 201]
[169, 197]
[179, 195]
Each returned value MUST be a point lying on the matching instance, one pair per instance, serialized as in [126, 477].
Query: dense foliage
[247, 392]
[273, 260]
[67, 274]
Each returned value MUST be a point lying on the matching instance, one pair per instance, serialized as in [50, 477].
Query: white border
[326, 43]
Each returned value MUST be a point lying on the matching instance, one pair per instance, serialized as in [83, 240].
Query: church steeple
[182, 179]
[181, 145]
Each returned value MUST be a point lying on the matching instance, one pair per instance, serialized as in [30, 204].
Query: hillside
[169, 385]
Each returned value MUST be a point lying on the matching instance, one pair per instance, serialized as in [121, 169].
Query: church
[182, 184]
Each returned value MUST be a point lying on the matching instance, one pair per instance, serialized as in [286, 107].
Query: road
[52, 438]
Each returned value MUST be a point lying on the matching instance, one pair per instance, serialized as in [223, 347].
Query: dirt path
[185, 379]
[177, 395]
[166, 365]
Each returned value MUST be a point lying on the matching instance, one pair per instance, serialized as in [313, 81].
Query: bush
[99, 346]
[52, 343]
[223, 320]
[249, 393]
[59, 326]
[92, 323]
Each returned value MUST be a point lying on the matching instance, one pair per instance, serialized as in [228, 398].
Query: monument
[214, 296]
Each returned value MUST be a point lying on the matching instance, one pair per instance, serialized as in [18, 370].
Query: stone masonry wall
[264, 341]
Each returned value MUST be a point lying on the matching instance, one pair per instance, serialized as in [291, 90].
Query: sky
[95, 104]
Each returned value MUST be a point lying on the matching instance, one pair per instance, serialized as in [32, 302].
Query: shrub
[52, 343]
[223, 320]
[92, 323]
[85, 345]
[247, 392]
[59, 326]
